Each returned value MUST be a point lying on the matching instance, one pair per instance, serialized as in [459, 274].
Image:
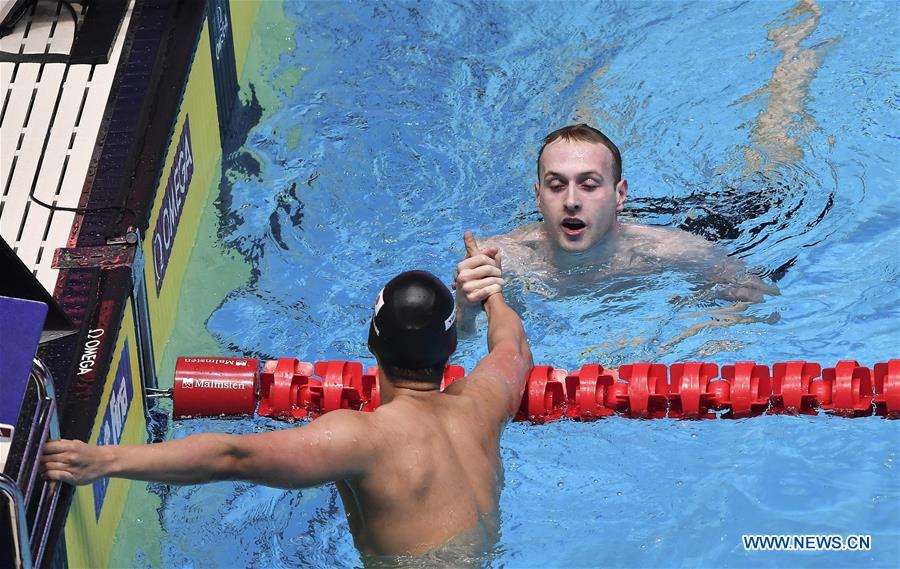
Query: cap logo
[450, 319]
[379, 302]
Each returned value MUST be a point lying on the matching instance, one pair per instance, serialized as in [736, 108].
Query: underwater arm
[498, 381]
[732, 281]
[725, 276]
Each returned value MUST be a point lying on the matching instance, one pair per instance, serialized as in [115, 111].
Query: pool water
[768, 127]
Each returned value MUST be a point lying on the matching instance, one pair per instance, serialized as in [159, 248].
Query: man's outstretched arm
[498, 380]
[333, 447]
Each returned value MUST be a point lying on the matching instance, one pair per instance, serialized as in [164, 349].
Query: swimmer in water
[580, 191]
[418, 476]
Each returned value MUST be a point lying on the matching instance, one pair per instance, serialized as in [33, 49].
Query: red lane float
[285, 389]
[341, 387]
[451, 374]
[887, 388]
[214, 386]
[851, 389]
[544, 398]
[745, 390]
[290, 389]
[644, 393]
[586, 393]
[689, 395]
[791, 391]
[371, 392]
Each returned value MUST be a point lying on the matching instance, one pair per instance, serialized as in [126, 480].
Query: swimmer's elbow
[526, 359]
[515, 348]
[234, 462]
[520, 358]
[753, 291]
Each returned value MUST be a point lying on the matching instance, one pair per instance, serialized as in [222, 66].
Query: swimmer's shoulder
[525, 232]
[517, 236]
[518, 247]
[665, 241]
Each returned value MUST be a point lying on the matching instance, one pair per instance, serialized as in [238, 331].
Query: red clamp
[544, 396]
[341, 387]
[209, 387]
[371, 391]
[745, 390]
[689, 395]
[887, 388]
[851, 389]
[284, 389]
[645, 394]
[586, 393]
[791, 383]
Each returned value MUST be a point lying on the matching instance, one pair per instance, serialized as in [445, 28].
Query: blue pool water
[769, 127]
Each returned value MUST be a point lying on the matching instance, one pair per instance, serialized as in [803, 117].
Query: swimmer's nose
[572, 202]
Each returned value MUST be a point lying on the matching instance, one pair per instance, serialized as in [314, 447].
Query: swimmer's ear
[621, 194]
[537, 194]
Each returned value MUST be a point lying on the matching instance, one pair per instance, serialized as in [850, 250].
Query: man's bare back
[432, 452]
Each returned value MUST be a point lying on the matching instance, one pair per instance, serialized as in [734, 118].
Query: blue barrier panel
[21, 322]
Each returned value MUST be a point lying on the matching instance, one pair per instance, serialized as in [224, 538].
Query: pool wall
[160, 154]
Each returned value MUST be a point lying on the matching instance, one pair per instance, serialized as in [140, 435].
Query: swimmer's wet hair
[585, 133]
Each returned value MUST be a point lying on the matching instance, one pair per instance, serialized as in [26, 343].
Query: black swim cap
[414, 324]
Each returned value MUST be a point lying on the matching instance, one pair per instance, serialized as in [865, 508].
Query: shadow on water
[742, 214]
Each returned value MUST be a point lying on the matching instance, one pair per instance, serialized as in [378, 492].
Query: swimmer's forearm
[192, 460]
[466, 316]
[735, 283]
[507, 341]
[748, 288]
[504, 325]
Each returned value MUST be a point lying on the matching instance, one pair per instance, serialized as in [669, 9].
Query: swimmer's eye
[589, 187]
[557, 187]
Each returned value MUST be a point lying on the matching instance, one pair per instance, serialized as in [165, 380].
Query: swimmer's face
[577, 193]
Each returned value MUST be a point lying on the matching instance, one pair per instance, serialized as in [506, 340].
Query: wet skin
[421, 470]
[581, 238]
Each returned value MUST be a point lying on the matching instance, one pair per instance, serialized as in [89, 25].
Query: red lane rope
[290, 389]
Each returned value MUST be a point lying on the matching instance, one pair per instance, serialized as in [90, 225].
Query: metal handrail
[44, 425]
[18, 523]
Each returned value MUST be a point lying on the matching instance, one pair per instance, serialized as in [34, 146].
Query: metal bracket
[104, 256]
[118, 252]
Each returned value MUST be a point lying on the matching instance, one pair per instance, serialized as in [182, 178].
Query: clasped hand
[479, 275]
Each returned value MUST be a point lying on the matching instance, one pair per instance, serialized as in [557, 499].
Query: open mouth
[573, 225]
